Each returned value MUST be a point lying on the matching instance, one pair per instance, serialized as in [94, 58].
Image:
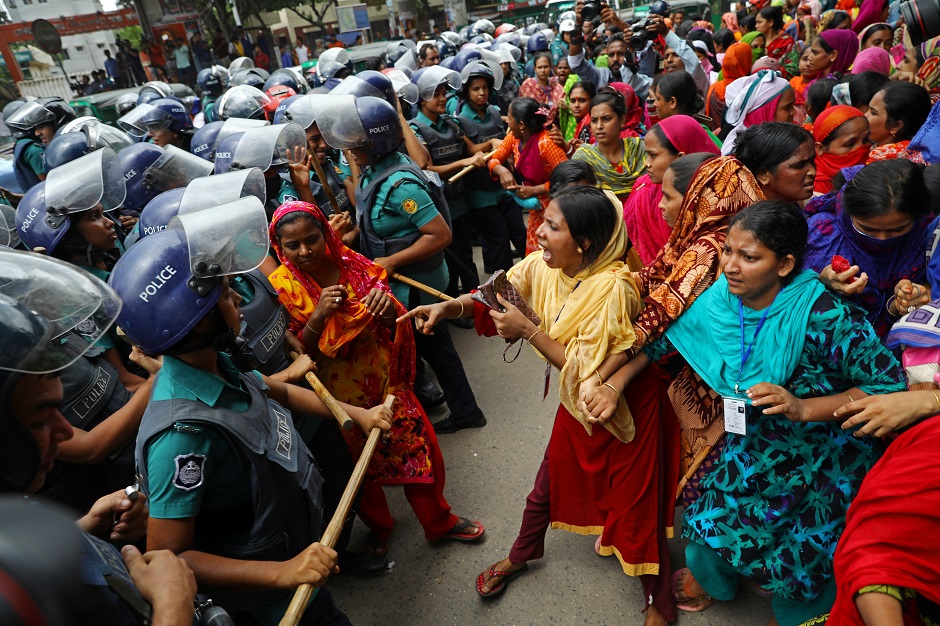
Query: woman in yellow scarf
[610, 481]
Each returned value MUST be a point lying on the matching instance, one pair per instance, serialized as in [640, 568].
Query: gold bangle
[937, 398]
[462, 310]
[851, 399]
[312, 329]
[600, 381]
[529, 339]
[619, 395]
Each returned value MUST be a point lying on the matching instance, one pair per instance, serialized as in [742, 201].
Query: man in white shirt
[303, 55]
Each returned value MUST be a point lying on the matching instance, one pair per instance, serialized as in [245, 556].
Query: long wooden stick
[421, 286]
[468, 169]
[326, 185]
[342, 418]
[302, 595]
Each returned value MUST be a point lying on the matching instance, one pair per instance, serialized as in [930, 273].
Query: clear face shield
[301, 111]
[9, 237]
[211, 191]
[230, 238]
[435, 76]
[98, 134]
[157, 87]
[243, 101]
[42, 298]
[88, 181]
[490, 68]
[270, 146]
[175, 168]
[338, 121]
[29, 116]
[144, 118]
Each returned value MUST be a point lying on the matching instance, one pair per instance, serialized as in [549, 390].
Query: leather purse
[498, 283]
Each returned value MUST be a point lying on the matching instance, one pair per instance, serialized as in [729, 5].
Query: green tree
[132, 34]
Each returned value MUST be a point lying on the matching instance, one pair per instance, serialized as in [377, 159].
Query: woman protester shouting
[610, 478]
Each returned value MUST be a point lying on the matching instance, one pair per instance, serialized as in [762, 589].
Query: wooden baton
[302, 595]
[326, 186]
[420, 286]
[468, 169]
[342, 418]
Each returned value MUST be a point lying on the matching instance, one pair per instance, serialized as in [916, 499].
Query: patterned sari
[363, 360]
[686, 267]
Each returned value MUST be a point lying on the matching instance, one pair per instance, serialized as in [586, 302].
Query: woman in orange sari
[735, 65]
[534, 156]
[343, 311]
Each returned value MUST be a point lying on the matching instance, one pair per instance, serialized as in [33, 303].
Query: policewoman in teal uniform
[38, 119]
[496, 214]
[67, 215]
[402, 218]
[233, 489]
[451, 151]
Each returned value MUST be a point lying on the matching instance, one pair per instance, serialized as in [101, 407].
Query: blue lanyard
[746, 352]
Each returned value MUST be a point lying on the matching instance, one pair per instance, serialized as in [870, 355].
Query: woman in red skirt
[613, 479]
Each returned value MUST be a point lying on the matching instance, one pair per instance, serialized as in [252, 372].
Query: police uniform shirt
[481, 196]
[192, 467]
[401, 211]
[288, 193]
[33, 157]
[458, 205]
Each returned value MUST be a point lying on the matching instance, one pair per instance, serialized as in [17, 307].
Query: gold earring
[580, 251]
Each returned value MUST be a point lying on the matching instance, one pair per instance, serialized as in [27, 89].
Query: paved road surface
[489, 473]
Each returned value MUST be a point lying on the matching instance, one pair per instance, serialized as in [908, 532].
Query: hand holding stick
[342, 418]
[467, 169]
[420, 286]
[302, 595]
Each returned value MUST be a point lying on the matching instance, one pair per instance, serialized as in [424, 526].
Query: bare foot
[503, 566]
[653, 618]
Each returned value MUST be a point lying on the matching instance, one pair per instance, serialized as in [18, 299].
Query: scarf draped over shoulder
[589, 314]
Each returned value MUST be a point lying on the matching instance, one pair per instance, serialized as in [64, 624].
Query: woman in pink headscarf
[872, 60]
[834, 51]
[670, 139]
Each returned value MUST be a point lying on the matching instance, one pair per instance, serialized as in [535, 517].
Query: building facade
[80, 53]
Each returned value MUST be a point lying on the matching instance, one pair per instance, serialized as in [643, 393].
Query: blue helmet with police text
[213, 80]
[224, 152]
[368, 83]
[65, 148]
[375, 128]
[159, 211]
[149, 170]
[204, 140]
[466, 56]
[43, 215]
[171, 280]
[536, 43]
[157, 115]
[281, 111]
[153, 90]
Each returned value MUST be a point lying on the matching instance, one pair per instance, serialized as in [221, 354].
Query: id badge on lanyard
[735, 407]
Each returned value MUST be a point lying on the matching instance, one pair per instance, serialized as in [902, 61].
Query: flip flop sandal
[459, 531]
[597, 546]
[503, 583]
[684, 598]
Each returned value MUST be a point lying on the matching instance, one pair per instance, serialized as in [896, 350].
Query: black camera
[591, 10]
[641, 36]
[922, 18]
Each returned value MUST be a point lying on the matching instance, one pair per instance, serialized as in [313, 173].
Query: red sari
[891, 527]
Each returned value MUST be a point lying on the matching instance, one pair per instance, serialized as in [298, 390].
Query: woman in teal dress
[773, 506]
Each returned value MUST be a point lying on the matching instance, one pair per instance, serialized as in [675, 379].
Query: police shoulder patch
[189, 471]
[409, 206]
